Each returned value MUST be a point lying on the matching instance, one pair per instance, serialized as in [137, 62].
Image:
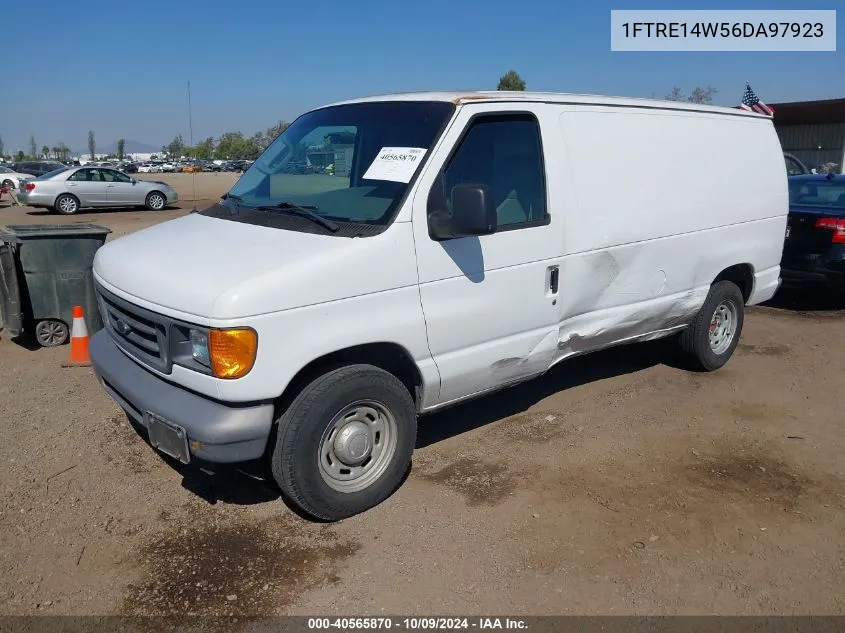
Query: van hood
[216, 269]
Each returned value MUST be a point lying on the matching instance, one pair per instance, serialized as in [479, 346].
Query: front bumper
[217, 432]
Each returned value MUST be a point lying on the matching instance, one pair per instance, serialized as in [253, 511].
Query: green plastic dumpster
[45, 270]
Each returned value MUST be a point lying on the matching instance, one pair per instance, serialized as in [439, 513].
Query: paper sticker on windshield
[396, 164]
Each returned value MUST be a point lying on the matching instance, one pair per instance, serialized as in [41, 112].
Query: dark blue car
[814, 248]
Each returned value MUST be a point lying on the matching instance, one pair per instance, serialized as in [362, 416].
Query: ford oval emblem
[122, 327]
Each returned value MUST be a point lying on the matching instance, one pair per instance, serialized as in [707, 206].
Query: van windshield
[347, 163]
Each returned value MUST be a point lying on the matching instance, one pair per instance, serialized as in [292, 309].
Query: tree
[20, 155]
[2, 147]
[92, 146]
[45, 152]
[698, 95]
[204, 150]
[175, 148]
[33, 148]
[121, 145]
[63, 152]
[234, 146]
[261, 140]
[511, 81]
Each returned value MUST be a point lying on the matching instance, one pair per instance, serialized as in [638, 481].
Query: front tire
[66, 204]
[156, 201]
[344, 444]
[710, 340]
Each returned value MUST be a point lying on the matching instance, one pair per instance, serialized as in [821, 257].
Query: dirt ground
[616, 484]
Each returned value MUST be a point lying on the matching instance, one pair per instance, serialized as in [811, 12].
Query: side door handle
[553, 277]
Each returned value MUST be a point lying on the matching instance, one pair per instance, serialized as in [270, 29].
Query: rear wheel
[710, 340]
[345, 443]
[8, 184]
[156, 201]
[66, 204]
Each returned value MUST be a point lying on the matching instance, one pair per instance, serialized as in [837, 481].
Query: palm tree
[45, 152]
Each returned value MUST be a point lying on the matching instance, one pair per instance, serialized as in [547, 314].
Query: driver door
[490, 302]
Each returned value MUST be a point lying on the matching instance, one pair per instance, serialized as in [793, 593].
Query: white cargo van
[387, 257]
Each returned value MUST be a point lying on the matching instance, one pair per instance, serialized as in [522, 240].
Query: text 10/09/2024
[417, 624]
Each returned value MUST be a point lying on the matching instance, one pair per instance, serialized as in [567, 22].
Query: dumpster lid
[16, 233]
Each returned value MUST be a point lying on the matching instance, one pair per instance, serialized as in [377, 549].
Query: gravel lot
[616, 484]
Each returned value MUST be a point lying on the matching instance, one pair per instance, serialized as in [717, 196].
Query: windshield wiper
[305, 211]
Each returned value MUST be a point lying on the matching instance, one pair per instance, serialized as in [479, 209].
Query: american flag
[752, 103]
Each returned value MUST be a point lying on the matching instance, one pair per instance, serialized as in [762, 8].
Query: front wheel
[156, 201]
[710, 340]
[345, 443]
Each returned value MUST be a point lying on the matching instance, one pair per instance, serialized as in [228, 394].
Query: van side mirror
[473, 212]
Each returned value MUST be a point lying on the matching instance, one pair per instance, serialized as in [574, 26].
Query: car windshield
[349, 163]
[50, 174]
[818, 193]
[6, 170]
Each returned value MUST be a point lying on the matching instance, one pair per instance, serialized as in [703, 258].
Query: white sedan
[10, 178]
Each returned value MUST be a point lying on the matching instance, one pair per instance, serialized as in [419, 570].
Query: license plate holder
[167, 437]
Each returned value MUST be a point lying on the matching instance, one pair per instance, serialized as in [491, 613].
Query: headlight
[224, 353]
[199, 347]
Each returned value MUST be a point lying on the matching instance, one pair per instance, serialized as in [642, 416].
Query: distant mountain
[131, 147]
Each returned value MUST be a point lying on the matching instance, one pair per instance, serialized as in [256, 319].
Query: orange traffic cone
[78, 341]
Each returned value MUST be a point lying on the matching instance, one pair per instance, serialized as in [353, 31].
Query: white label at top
[396, 164]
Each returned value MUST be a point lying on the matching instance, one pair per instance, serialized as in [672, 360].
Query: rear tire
[710, 340]
[344, 444]
[66, 204]
[8, 184]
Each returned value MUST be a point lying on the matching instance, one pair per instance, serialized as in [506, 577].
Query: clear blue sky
[253, 62]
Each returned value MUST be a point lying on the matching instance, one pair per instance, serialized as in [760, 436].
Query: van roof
[468, 96]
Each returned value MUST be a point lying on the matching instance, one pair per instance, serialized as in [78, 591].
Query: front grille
[139, 332]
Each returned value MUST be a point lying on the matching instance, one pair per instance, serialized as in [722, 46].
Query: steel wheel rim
[50, 332]
[156, 201]
[357, 446]
[723, 327]
[67, 204]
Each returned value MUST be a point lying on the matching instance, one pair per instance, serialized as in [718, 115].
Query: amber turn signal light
[232, 352]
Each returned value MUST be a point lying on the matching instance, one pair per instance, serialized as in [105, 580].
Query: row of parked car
[185, 167]
[12, 173]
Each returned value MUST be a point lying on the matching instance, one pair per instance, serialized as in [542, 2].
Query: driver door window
[504, 153]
